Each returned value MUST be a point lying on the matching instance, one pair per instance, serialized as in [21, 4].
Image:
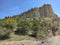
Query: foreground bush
[4, 33]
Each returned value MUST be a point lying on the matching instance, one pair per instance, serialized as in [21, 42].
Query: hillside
[43, 11]
[36, 24]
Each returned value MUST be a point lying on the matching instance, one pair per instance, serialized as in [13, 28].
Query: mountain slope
[43, 11]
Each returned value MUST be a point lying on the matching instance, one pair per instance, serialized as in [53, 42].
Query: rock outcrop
[44, 11]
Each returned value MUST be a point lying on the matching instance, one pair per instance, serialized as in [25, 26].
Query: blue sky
[13, 7]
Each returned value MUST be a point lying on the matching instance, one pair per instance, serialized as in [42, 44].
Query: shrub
[4, 33]
[21, 31]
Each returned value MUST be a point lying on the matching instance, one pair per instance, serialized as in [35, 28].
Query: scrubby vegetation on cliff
[32, 27]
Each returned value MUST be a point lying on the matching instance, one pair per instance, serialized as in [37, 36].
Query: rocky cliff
[43, 11]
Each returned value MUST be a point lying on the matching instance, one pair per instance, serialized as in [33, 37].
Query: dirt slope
[55, 40]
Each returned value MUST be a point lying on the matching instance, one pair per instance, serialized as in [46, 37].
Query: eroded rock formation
[43, 11]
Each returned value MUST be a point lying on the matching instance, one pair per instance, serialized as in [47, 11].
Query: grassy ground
[14, 37]
[18, 38]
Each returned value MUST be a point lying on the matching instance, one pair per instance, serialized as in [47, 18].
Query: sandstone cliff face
[43, 11]
[47, 11]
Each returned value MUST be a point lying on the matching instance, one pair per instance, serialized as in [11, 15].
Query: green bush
[4, 33]
[21, 31]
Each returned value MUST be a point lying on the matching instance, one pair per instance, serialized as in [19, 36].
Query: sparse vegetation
[22, 27]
